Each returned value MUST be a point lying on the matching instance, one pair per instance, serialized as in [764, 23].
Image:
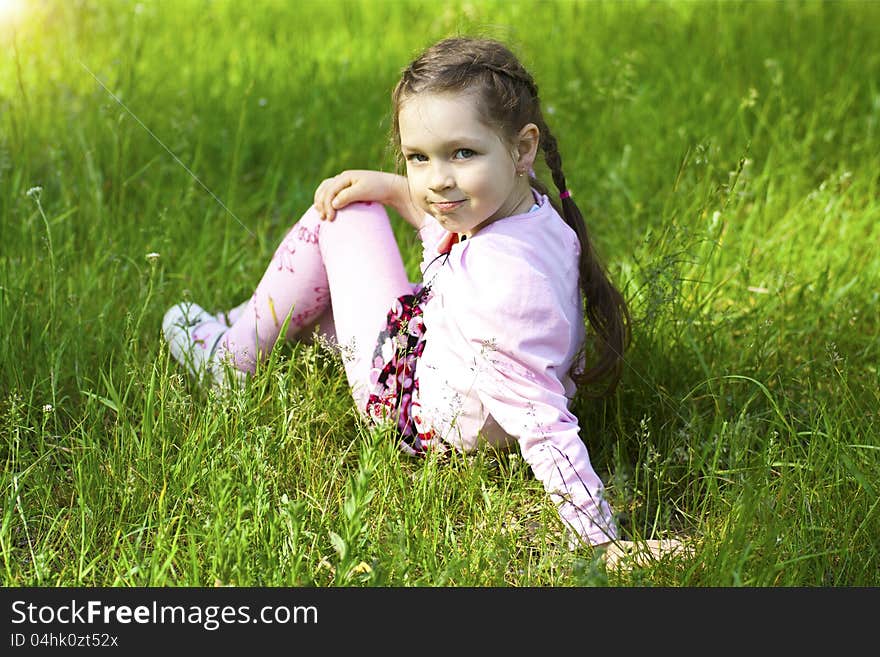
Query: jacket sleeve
[520, 338]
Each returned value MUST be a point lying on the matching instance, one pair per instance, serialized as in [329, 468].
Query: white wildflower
[48, 408]
[34, 192]
[750, 100]
[263, 102]
[152, 256]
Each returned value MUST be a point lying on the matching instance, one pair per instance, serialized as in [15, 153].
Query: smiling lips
[447, 206]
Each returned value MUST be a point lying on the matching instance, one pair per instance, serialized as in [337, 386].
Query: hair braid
[605, 307]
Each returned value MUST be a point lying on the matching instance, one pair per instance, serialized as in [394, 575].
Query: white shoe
[193, 335]
[229, 317]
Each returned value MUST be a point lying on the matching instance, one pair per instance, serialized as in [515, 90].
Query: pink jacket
[503, 325]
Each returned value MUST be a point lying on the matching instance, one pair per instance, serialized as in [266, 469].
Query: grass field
[726, 156]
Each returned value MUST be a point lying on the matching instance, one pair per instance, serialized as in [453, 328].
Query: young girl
[489, 347]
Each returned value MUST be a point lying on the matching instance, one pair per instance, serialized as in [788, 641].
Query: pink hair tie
[565, 194]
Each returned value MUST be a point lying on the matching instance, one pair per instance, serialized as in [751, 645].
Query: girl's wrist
[401, 202]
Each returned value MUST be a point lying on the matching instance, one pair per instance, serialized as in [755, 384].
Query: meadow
[726, 156]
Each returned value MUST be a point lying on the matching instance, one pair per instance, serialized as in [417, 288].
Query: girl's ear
[527, 146]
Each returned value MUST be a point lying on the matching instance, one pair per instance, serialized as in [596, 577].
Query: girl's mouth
[447, 206]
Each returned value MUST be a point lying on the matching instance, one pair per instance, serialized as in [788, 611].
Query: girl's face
[459, 169]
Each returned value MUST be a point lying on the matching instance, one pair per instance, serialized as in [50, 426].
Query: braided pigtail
[605, 306]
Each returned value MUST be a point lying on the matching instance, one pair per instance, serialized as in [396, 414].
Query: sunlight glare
[10, 10]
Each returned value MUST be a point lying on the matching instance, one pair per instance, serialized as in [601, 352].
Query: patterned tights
[338, 276]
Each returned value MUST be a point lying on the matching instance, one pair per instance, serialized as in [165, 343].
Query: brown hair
[509, 100]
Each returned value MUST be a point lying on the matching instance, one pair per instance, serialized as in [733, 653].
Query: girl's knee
[360, 212]
[353, 217]
[353, 223]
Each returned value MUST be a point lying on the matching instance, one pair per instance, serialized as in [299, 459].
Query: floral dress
[395, 395]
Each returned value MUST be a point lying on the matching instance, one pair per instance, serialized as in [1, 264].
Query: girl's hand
[352, 186]
[624, 555]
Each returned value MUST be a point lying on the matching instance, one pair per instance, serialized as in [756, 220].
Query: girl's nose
[441, 178]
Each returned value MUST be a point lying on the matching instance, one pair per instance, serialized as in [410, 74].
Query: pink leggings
[339, 276]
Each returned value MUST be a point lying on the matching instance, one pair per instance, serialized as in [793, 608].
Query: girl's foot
[193, 336]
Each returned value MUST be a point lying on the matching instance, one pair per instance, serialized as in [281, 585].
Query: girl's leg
[351, 266]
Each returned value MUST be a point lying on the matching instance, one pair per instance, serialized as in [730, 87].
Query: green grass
[727, 158]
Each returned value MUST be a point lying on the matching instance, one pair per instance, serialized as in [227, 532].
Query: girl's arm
[364, 185]
[518, 338]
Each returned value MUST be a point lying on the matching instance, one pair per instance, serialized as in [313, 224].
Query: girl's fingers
[323, 197]
[318, 200]
[341, 199]
[327, 194]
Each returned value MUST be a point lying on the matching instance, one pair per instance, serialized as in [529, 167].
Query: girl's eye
[415, 157]
[464, 153]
